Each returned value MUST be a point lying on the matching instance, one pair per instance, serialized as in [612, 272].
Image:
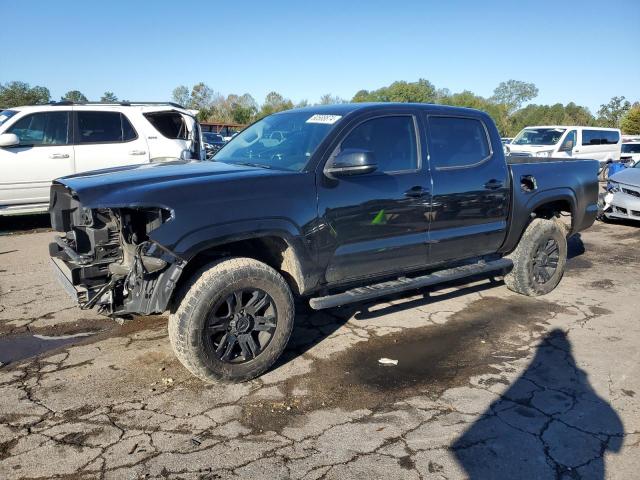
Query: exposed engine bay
[107, 257]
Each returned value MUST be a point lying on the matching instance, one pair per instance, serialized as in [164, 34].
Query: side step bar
[402, 284]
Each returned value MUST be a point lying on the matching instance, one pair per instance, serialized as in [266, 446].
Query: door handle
[416, 192]
[493, 184]
[137, 152]
[59, 155]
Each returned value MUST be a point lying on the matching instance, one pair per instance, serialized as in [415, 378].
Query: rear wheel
[234, 320]
[539, 259]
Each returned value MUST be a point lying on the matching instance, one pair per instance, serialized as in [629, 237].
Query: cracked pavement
[489, 384]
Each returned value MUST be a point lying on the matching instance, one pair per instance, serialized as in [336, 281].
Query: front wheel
[539, 259]
[233, 321]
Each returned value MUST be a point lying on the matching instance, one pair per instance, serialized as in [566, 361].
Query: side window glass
[591, 137]
[391, 139]
[99, 127]
[45, 128]
[169, 124]
[457, 142]
[570, 138]
[128, 132]
[610, 137]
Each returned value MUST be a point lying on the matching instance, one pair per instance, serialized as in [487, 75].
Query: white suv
[41, 143]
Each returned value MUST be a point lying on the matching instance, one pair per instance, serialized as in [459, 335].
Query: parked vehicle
[357, 201]
[212, 143]
[43, 142]
[630, 152]
[506, 140]
[622, 200]
[602, 144]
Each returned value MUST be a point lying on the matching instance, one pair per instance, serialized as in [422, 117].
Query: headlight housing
[543, 153]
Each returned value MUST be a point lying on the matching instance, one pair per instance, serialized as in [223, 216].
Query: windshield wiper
[251, 164]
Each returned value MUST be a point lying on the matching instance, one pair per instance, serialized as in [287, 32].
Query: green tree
[243, 109]
[630, 123]
[557, 114]
[180, 95]
[74, 96]
[610, 114]
[108, 97]
[15, 94]
[513, 94]
[421, 91]
[274, 102]
[466, 98]
[328, 99]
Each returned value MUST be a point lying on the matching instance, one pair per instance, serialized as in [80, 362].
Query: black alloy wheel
[240, 326]
[545, 261]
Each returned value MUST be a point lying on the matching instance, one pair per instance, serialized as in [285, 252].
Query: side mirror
[567, 146]
[351, 161]
[9, 140]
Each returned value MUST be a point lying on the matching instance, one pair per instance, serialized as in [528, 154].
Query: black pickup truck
[330, 205]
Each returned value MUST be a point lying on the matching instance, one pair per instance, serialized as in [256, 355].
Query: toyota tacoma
[330, 205]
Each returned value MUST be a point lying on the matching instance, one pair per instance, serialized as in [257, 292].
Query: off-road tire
[192, 307]
[521, 278]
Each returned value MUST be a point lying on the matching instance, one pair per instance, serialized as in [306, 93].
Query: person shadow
[550, 423]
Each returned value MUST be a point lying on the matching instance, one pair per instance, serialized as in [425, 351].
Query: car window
[391, 139]
[104, 127]
[571, 137]
[457, 142]
[128, 132]
[44, 128]
[169, 124]
[600, 137]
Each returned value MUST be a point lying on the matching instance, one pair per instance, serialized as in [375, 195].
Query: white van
[41, 143]
[602, 144]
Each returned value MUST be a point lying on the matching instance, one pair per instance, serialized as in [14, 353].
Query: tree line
[508, 105]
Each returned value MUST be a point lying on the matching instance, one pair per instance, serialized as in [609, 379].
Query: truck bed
[541, 180]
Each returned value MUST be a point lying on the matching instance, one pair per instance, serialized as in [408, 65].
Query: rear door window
[104, 127]
[169, 124]
[43, 128]
[457, 142]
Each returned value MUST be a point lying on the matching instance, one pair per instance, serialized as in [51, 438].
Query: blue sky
[582, 51]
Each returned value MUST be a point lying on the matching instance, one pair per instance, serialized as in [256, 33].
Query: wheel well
[556, 208]
[553, 209]
[272, 250]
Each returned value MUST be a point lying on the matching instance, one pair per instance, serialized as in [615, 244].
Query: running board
[402, 284]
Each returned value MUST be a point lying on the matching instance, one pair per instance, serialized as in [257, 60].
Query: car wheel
[539, 259]
[233, 320]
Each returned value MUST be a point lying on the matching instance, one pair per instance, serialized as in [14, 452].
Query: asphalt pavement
[488, 385]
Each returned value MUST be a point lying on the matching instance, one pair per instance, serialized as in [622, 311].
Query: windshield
[538, 136]
[6, 115]
[631, 148]
[283, 141]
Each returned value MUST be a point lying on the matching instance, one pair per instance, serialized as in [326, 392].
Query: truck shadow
[312, 327]
[550, 423]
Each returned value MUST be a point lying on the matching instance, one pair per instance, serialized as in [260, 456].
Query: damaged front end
[105, 258]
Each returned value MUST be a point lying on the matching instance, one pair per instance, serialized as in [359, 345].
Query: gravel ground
[489, 384]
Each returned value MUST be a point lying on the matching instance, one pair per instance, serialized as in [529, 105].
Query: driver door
[376, 223]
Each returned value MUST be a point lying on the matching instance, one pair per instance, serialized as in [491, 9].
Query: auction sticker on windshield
[326, 119]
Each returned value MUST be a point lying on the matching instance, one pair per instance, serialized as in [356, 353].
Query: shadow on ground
[549, 424]
[17, 224]
[313, 327]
